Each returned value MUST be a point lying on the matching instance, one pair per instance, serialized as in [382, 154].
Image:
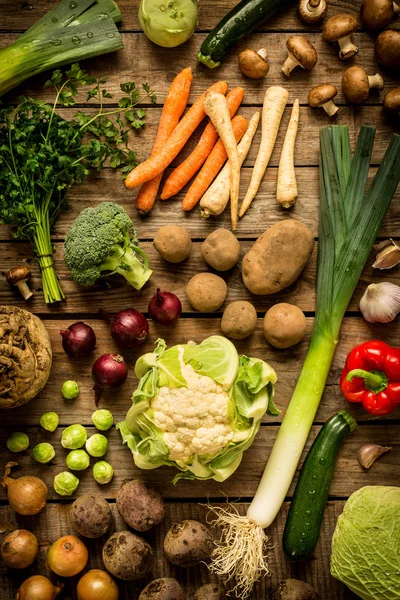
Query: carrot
[216, 197]
[156, 164]
[286, 192]
[275, 100]
[212, 166]
[185, 171]
[174, 105]
[216, 108]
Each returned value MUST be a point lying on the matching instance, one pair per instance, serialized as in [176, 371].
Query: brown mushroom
[322, 96]
[387, 48]
[254, 64]
[377, 14]
[19, 276]
[339, 29]
[301, 53]
[391, 102]
[312, 11]
[356, 84]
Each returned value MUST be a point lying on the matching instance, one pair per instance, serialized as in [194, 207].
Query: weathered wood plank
[55, 522]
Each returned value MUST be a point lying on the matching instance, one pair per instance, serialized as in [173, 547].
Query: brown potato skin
[221, 249]
[277, 257]
[284, 325]
[173, 243]
[293, 589]
[140, 505]
[127, 556]
[164, 588]
[206, 292]
[210, 591]
[239, 320]
[188, 543]
[91, 515]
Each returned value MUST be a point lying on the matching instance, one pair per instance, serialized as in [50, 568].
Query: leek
[349, 223]
[71, 31]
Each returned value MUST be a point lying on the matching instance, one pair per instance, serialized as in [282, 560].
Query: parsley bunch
[42, 155]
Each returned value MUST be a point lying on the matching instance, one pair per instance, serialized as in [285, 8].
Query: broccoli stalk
[124, 261]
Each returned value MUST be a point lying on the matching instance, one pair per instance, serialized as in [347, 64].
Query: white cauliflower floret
[193, 419]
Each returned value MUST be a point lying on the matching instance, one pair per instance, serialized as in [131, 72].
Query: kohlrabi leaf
[215, 357]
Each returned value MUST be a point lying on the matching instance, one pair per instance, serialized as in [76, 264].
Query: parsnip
[286, 192]
[275, 100]
[216, 197]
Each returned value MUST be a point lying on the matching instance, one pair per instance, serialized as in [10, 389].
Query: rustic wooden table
[142, 61]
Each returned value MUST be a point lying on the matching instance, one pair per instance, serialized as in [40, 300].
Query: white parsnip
[286, 192]
[275, 100]
[216, 108]
[216, 198]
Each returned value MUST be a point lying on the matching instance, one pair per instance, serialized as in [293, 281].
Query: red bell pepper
[371, 375]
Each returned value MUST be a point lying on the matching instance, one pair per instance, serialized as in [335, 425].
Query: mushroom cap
[302, 50]
[339, 26]
[387, 48]
[321, 94]
[355, 84]
[252, 64]
[391, 101]
[376, 14]
[18, 273]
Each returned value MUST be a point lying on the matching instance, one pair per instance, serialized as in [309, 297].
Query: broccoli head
[102, 241]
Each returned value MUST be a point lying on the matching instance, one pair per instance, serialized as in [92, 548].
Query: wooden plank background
[142, 61]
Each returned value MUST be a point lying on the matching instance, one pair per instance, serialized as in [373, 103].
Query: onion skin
[67, 556]
[164, 307]
[27, 495]
[108, 372]
[129, 328]
[19, 549]
[78, 340]
[38, 587]
[97, 585]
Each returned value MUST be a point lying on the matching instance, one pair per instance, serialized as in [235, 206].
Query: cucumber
[242, 19]
[311, 494]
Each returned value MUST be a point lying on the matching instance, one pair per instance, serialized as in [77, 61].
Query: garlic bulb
[388, 255]
[380, 302]
[368, 454]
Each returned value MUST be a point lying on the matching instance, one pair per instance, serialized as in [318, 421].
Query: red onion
[108, 372]
[129, 328]
[165, 307]
[78, 340]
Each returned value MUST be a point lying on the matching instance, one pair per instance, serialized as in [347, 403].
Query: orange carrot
[174, 105]
[156, 164]
[185, 171]
[212, 166]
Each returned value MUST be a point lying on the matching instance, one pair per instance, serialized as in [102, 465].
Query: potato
[278, 257]
[221, 249]
[127, 556]
[293, 589]
[91, 515]
[284, 325]
[187, 543]
[173, 243]
[239, 320]
[210, 591]
[206, 292]
[165, 588]
[140, 506]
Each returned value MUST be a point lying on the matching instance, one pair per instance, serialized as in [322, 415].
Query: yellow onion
[19, 549]
[67, 556]
[38, 587]
[97, 585]
[27, 495]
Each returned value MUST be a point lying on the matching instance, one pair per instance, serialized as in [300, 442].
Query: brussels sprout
[78, 460]
[73, 437]
[43, 453]
[70, 390]
[103, 472]
[49, 421]
[17, 441]
[97, 445]
[65, 483]
[102, 419]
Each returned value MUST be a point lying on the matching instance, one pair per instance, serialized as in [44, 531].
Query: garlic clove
[388, 255]
[368, 454]
[380, 302]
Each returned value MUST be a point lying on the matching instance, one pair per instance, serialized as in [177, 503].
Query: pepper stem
[375, 381]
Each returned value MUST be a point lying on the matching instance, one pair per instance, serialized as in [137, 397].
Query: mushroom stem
[290, 63]
[330, 108]
[347, 48]
[24, 289]
[313, 4]
[396, 8]
[375, 81]
[263, 53]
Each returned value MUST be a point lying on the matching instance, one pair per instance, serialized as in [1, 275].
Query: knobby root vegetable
[164, 588]
[206, 292]
[188, 543]
[286, 193]
[91, 515]
[274, 104]
[140, 505]
[293, 589]
[210, 591]
[127, 556]
[221, 249]
[216, 197]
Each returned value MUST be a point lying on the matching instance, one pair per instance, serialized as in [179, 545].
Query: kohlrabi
[168, 23]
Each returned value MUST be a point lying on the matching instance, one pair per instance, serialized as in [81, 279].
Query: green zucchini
[241, 20]
[311, 494]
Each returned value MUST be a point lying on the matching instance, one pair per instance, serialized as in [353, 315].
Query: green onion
[349, 223]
